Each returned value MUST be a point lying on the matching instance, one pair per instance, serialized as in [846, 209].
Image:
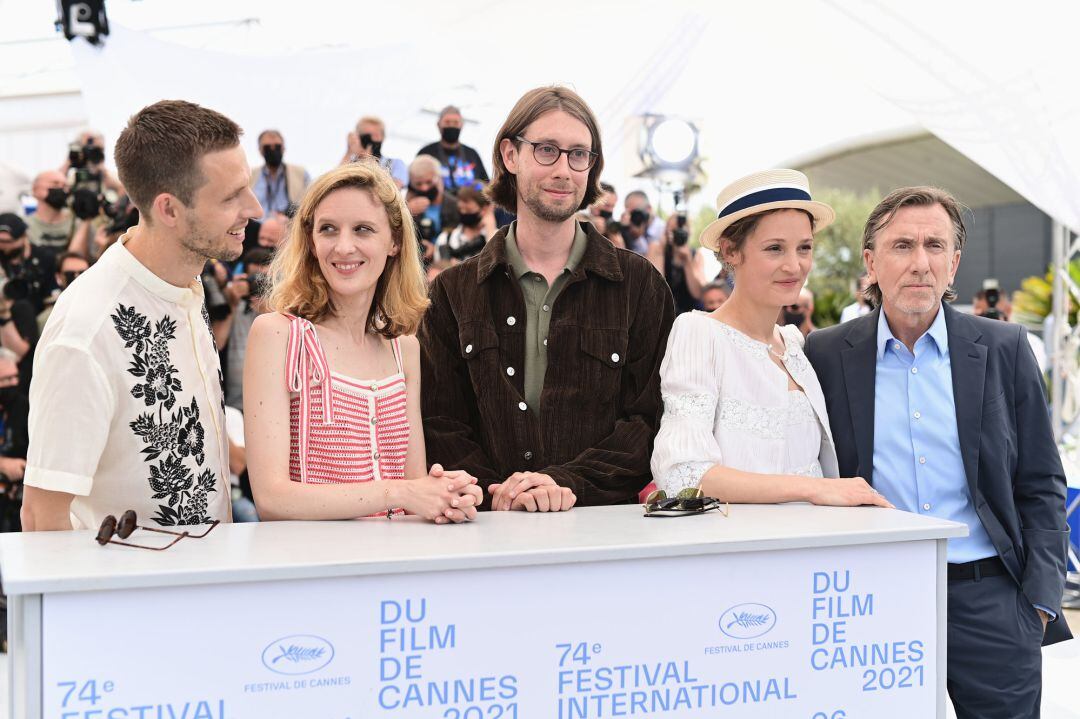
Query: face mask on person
[56, 198]
[432, 193]
[793, 318]
[8, 395]
[606, 214]
[375, 148]
[69, 277]
[470, 219]
[12, 254]
[273, 155]
[450, 135]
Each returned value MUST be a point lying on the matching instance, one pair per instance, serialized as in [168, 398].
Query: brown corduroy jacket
[600, 407]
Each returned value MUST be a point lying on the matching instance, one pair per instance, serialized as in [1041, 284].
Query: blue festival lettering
[406, 636]
[834, 607]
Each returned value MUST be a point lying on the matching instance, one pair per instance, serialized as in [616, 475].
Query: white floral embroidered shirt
[726, 402]
[126, 401]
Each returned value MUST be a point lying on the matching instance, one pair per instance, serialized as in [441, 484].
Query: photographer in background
[29, 279]
[604, 207]
[53, 224]
[459, 165]
[681, 265]
[641, 228]
[990, 302]
[14, 439]
[69, 265]
[275, 184]
[713, 295]
[367, 141]
[477, 223]
[271, 233]
[800, 314]
[95, 236]
[431, 207]
[85, 166]
[244, 296]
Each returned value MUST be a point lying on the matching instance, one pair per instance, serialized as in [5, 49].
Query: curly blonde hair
[299, 287]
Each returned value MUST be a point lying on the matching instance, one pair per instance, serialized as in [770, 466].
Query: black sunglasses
[688, 501]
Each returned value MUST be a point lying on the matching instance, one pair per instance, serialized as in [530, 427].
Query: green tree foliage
[838, 253]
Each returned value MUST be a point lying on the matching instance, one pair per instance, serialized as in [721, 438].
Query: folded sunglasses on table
[688, 501]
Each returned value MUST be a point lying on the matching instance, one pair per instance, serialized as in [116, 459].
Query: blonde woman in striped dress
[332, 376]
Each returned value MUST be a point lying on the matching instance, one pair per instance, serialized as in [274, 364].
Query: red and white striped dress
[342, 429]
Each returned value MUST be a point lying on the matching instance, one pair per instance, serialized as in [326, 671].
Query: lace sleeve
[700, 406]
[686, 445]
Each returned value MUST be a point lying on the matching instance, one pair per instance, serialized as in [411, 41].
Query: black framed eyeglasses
[546, 153]
[129, 522]
[688, 501]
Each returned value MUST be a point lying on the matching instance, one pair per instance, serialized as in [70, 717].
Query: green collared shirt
[539, 302]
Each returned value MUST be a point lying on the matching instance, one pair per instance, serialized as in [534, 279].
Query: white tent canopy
[766, 82]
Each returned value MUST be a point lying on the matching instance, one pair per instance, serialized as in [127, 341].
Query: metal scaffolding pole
[1059, 326]
[1064, 371]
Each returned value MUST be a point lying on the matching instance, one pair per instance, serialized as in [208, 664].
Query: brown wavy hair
[533, 104]
[299, 287]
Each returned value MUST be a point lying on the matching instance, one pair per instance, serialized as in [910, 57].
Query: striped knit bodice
[342, 429]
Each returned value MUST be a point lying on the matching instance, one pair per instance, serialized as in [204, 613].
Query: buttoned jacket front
[600, 405]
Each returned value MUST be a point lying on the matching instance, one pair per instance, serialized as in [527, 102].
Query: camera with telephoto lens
[217, 306]
[79, 156]
[21, 280]
[425, 228]
[993, 295]
[124, 216]
[680, 235]
[16, 288]
[89, 200]
[638, 218]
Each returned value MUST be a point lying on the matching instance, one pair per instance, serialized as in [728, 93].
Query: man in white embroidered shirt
[126, 402]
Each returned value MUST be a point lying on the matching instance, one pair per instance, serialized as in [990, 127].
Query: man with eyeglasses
[541, 355]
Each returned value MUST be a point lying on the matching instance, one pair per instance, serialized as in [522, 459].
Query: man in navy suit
[945, 415]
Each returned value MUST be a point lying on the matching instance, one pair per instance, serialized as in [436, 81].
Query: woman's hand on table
[846, 492]
[458, 499]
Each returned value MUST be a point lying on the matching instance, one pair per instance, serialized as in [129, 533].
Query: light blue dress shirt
[917, 460]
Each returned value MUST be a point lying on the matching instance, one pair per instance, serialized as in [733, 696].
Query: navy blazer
[1010, 458]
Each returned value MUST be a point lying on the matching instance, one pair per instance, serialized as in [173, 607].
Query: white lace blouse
[726, 402]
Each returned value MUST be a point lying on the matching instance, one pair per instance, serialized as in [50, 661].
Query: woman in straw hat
[744, 417]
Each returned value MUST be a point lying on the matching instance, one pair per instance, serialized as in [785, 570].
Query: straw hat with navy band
[761, 192]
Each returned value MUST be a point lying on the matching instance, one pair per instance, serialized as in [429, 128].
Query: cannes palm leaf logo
[746, 620]
[294, 653]
[297, 654]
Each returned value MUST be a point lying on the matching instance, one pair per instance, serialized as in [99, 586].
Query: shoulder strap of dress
[304, 362]
[395, 344]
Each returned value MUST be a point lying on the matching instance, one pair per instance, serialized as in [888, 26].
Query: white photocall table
[774, 611]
